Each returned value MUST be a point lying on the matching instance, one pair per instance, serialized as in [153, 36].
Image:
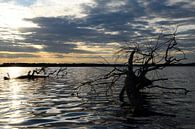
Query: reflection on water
[14, 71]
[47, 103]
[14, 104]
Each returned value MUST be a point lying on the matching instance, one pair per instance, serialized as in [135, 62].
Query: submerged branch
[160, 79]
[169, 88]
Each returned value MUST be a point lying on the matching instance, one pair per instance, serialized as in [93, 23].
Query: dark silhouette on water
[29, 75]
[155, 55]
[33, 76]
[26, 77]
[40, 73]
[142, 107]
[7, 78]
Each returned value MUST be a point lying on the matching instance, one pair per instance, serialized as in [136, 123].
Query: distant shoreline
[74, 65]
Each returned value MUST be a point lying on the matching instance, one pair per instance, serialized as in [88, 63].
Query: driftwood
[41, 73]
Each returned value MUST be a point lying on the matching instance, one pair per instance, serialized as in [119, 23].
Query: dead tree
[152, 55]
[155, 55]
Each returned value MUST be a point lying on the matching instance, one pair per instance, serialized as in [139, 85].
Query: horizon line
[79, 64]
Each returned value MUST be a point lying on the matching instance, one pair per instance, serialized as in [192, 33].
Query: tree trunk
[131, 90]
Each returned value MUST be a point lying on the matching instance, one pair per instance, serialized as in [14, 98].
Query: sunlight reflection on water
[47, 103]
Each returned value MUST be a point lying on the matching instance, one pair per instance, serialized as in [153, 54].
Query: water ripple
[48, 103]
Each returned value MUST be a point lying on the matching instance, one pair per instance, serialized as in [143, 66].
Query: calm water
[47, 103]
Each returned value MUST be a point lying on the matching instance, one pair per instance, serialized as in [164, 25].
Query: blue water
[49, 103]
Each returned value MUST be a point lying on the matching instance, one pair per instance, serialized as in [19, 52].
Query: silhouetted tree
[152, 55]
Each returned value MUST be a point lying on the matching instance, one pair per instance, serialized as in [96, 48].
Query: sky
[84, 31]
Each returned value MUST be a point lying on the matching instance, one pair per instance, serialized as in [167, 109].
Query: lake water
[48, 103]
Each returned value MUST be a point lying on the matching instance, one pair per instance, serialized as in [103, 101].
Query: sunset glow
[12, 17]
[14, 71]
[58, 31]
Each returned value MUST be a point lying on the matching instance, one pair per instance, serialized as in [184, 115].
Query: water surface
[48, 103]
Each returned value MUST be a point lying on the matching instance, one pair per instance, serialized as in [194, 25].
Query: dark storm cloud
[122, 20]
[163, 9]
[110, 21]
[96, 28]
[63, 29]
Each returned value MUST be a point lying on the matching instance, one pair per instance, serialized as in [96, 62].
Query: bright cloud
[14, 13]
[12, 16]
[115, 6]
[95, 48]
[54, 8]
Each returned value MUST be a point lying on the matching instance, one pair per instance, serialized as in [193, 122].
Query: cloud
[185, 4]
[54, 8]
[8, 54]
[90, 26]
